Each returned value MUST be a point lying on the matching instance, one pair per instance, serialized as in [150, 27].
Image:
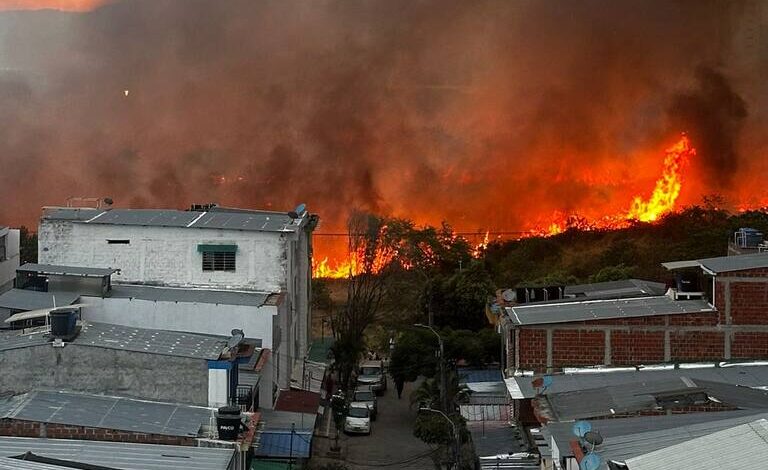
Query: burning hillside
[490, 115]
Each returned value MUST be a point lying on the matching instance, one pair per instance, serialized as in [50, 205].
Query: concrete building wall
[738, 330]
[213, 319]
[167, 255]
[21, 428]
[105, 371]
[10, 240]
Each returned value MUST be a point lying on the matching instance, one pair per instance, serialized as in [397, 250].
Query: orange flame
[661, 201]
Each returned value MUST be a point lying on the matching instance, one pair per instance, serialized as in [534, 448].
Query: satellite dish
[591, 461]
[580, 428]
[593, 437]
[509, 295]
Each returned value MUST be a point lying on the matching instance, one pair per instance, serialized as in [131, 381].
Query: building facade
[9, 257]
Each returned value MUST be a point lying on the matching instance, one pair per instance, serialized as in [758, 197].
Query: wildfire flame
[661, 201]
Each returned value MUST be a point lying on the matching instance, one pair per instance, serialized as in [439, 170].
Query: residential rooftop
[739, 447]
[142, 340]
[121, 455]
[108, 412]
[565, 312]
[24, 300]
[749, 374]
[193, 295]
[614, 289]
[213, 218]
[57, 270]
[723, 264]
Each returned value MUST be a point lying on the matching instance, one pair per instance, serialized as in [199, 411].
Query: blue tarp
[284, 444]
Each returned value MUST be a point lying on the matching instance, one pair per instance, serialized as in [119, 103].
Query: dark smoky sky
[485, 113]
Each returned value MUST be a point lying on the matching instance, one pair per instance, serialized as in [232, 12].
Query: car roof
[358, 405]
[372, 363]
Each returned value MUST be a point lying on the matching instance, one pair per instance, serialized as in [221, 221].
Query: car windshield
[370, 371]
[363, 396]
[355, 412]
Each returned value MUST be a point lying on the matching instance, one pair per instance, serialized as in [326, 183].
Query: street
[391, 443]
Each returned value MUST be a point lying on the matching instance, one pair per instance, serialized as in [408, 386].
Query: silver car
[358, 420]
[371, 374]
[367, 398]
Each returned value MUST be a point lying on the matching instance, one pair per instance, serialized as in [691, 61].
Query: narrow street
[391, 443]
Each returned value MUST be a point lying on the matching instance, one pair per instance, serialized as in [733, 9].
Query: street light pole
[443, 378]
[456, 445]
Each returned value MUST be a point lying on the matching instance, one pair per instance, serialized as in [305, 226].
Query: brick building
[726, 318]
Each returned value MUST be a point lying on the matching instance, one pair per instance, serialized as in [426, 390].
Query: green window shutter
[217, 248]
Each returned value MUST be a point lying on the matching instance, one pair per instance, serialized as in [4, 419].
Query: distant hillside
[578, 256]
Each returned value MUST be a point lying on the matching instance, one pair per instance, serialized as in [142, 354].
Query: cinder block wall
[21, 428]
[737, 331]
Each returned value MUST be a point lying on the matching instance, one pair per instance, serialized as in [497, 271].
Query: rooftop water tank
[63, 323]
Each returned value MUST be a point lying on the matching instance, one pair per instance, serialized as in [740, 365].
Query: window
[3, 241]
[218, 261]
[118, 242]
[218, 257]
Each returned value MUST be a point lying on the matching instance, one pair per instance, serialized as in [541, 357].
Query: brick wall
[749, 303]
[749, 345]
[533, 349]
[21, 428]
[632, 347]
[697, 345]
[577, 347]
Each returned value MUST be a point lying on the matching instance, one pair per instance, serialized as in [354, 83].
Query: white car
[358, 420]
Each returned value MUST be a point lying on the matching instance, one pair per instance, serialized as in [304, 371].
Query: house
[195, 310]
[9, 257]
[209, 248]
[73, 415]
[717, 311]
[71, 453]
[133, 362]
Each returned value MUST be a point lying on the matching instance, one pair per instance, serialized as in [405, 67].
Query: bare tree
[370, 255]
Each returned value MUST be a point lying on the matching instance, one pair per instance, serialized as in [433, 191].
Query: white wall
[167, 255]
[9, 265]
[214, 319]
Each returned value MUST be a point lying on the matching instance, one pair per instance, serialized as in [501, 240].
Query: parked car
[371, 373]
[358, 420]
[364, 396]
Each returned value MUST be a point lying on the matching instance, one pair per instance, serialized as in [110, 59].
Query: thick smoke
[714, 115]
[486, 114]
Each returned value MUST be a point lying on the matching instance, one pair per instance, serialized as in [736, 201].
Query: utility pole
[290, 451]
[456, 446]
[443, 377]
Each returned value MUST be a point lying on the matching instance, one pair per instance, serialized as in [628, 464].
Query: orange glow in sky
[70, 5]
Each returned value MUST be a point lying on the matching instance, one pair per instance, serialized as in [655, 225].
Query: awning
[217, 248]
[38, 313]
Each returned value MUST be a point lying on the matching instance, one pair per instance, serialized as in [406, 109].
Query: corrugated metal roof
[739, 447]
[52, 269]
[201, 296]
[122, 455]
[21, 299]
[479, 375]
[70, 213]
[648, 433]
[7, 463]
[723, 264]
[163, 342]
[108, 412]
[539, 314]
[105, 335]
[216, 218]
[284, 444]
[618, 399]
[750, 375]
[298, 401]
[494, 438]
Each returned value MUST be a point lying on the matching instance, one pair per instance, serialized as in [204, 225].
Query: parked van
[371, 374]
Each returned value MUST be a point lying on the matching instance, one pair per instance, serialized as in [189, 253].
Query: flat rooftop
[141, 340]
[723, 264]
[56, 270]
[108, 412]
[22, 299]
[565, 312]
[191, 295]
[121, 455]
[215, 218]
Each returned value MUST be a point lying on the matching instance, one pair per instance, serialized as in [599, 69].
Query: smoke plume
[485, 114]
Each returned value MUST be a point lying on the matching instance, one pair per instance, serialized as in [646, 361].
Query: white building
[206, 271]
[9, 257]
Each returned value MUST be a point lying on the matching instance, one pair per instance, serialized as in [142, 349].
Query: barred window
[218, 261]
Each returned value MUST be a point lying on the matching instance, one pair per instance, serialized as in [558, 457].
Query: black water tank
[63, 323]
[228, 423]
